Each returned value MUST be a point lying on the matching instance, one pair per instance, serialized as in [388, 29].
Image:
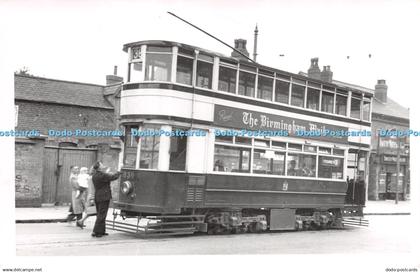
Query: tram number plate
[285, 185]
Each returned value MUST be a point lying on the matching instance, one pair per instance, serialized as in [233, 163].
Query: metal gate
[57, 162]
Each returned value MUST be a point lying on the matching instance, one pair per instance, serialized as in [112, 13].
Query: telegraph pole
[398, 169]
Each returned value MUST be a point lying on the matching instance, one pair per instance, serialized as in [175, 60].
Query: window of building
[330, 167]
[227, 79]
[282, 92]
[265, 88]
[355, 108]
[130, 147]
[204, 74]
[312, 101]
[246, 84]
[268, 162]
[149, 149]
[184, 70]
[341, 105]
[177, 152]
[231, 159]
[298, 95]
[366, 111]
[301, 165]
[327, 102]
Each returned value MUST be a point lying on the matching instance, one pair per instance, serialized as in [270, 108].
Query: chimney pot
[314, 71]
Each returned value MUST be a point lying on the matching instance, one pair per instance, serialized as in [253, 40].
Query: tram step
[356, 222]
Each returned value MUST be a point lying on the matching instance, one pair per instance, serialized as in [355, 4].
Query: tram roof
[301, 76]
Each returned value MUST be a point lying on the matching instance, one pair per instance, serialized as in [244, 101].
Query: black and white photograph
[200, 135]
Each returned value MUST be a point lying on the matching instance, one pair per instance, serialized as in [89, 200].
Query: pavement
[49, 214]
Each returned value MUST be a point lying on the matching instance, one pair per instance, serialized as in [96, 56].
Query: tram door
[356, 175]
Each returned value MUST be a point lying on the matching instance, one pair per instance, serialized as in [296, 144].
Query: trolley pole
[398, 169]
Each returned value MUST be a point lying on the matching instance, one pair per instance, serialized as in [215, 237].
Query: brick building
[43, 162]
[388, 115]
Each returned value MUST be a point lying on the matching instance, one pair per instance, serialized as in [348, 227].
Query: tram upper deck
[178, 85]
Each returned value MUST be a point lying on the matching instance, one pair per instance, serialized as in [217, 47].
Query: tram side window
[301, 165]
[231, 159]
[298, 95]
[149, 149]
[355, 108]
[246, 84]
[341, 105]
[268, 162]
[312, 101]
[282, 92]
[184, 70]
[178, 152]
[330, 167]
[227, 79]
[130, 148]
[366, 111]
[265, 88]
[204, 74]
[327, 103]
[158, 66]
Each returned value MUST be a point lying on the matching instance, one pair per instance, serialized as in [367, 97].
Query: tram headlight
[127, 187]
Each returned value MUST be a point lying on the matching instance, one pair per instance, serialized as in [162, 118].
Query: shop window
[301, 165]
[149, 149]
[246, 84]
[178, 152]
[231, 159]
[327, 102]
[330, 167]
[184, 70]
[227, 79]
[298, 95]
[282, 92]
[265, 88]
[204, 74]
[268, 162]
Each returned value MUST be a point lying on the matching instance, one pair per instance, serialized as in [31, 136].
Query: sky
[82, 40]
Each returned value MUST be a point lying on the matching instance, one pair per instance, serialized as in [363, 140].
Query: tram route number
[127, 175]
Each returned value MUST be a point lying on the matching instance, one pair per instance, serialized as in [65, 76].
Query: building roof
[390, 108]
[48, 90]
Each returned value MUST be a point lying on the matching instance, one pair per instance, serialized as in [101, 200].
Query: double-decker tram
[219, 144]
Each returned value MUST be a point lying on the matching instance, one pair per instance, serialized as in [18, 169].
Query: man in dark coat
[101, 181]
